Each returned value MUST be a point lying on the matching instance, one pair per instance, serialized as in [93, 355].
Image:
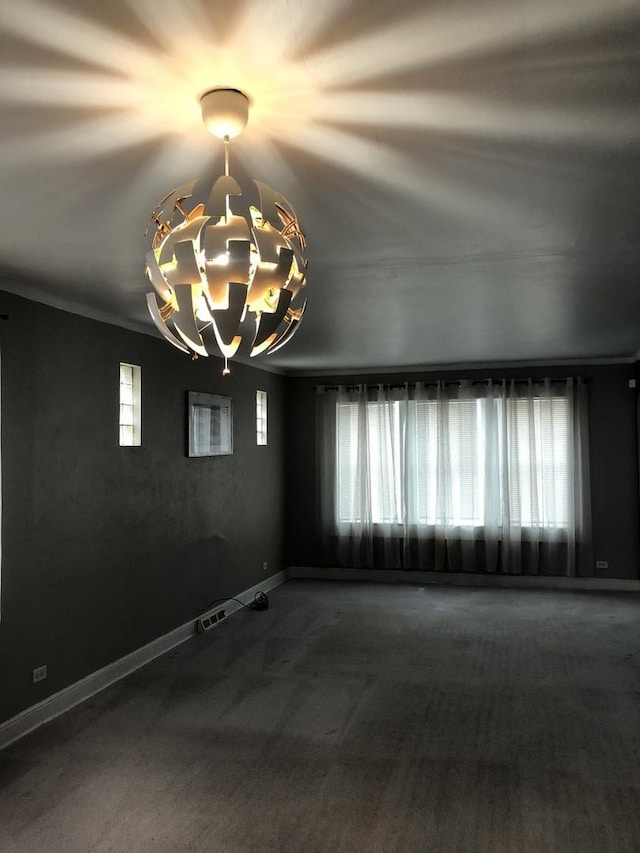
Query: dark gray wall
[613, 453]
[105, 548]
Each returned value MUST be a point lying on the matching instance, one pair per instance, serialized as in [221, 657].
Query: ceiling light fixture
[226, 261]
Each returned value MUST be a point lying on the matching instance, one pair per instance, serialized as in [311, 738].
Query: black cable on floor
[260, 602]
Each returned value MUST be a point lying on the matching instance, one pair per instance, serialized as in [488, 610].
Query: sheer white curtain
[489, 476]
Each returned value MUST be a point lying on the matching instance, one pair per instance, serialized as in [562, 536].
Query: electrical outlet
[205, 623]
[39, 673]
[265, 566]
[602, 564]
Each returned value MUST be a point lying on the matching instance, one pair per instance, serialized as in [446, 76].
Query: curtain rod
[457, 382]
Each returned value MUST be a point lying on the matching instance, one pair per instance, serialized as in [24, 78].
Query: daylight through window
[261, 417]
[130, 421]
[454, 463]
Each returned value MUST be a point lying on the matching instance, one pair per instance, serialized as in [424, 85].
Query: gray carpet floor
[355, 717]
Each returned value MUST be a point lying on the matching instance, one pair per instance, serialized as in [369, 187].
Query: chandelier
[226, 261]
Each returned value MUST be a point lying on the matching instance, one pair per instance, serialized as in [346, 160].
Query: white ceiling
[467, 171]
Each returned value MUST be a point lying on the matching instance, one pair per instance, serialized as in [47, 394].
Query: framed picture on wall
[210, 424]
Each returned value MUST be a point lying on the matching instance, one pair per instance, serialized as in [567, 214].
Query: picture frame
[210, 424]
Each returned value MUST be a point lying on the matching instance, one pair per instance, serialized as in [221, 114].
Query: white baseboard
[464, 579]
[69, 697]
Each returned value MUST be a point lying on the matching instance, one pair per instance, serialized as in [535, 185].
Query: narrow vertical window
[261, 417]
[130, 420]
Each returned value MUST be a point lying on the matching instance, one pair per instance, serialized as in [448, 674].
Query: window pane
[449, 442]
[126, 415]
[126, 435]
[126, 395]
[539, 463]
[382, 429]
[349, 488]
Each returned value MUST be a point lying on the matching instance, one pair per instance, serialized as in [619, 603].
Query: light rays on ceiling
[132, 76]
[432, 37]
[151, 89]
[482, 117]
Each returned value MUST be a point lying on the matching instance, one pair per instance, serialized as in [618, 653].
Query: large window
[454, 463]
[486, 475]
